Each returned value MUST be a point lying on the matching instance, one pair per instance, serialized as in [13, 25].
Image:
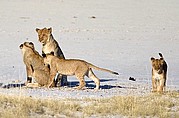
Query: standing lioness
[49, 44]
[76, 67]
[159, 74]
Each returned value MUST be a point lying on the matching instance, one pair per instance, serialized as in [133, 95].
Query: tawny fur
[70, 67]
[159, 74]
[35, 64]
[49, 44]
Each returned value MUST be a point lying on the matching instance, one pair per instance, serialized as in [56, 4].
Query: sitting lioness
[35, 65]
[159, 74]
[76, 67]
[49, 44]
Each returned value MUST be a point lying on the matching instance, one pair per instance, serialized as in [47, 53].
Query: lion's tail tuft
[160, 54]
[115, 73]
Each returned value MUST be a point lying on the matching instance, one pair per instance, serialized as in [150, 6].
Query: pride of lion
[44, 69]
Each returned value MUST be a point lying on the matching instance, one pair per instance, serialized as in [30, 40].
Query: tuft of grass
[153, 105]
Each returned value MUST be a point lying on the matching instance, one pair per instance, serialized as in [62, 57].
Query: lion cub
[76, 67]
[159, 74]
[49, 44]
[35, 64]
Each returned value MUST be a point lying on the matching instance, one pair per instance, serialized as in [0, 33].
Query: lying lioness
[76, 67]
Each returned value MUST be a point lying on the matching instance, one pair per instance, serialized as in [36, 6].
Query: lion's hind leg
[81, 80]
[92, 76]
[32, 85]
[164, 86]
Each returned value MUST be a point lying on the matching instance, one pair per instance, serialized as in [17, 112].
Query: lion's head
[44, 34]
[158, 65]
[28, 45]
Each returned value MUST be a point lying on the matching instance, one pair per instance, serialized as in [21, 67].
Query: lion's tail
[102, 69]
[160, 54]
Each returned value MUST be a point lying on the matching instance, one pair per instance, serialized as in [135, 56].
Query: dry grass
[12, 106]
[152, 105]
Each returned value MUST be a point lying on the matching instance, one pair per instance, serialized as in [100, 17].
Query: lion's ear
[50, 30]
[52, 53]
[31, 43]
[37, 30]
[21, 46]
[152, 59]
[43, 55]
[162, 60]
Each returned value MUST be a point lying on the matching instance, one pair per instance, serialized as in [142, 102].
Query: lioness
[35, 64]
[49, 44]
[76, 67]
[159, 74]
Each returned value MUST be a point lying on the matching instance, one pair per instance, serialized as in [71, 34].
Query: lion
[159, 74]
[49, 44]
[28, 68]
[79, 68]
[35, 66]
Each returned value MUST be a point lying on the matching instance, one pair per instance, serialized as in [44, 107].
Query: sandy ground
[121, 35]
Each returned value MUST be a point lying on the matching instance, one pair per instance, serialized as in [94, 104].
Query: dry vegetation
[164, 106]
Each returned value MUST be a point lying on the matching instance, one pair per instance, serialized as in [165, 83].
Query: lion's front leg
[51, 79]
[29, 74]
[161, 85]
[154, 84]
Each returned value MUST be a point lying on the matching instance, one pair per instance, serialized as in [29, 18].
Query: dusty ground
[121, 35]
